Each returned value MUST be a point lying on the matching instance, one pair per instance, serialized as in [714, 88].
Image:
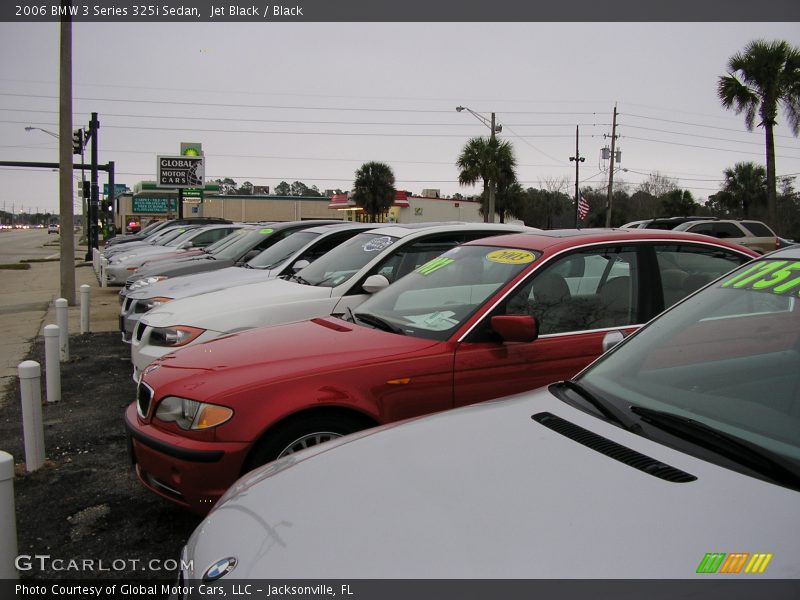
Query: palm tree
[763, 76]
[745, 186]
[373, 188]
[489, 160]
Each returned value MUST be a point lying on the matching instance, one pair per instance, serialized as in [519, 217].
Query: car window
[758, 229]
[726, 231]
[277, 253]
[444, 292]
[588, 289]
[409, 257]
[209, 236]
[344, 261]
[729, 358]
[684, 269]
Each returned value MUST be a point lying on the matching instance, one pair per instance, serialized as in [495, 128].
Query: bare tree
[658, 185]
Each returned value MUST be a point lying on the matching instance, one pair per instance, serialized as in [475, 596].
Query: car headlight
[151, 303]
[178, 335]
[140, 283]
[191, 414]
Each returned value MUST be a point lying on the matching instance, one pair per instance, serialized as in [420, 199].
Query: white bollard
[62, 319]
[30, 387]
[8, 517]
[103, 265]
[85, 291]
[52, 365]
[95, 259]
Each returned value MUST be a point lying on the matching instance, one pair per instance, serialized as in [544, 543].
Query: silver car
[675, 455]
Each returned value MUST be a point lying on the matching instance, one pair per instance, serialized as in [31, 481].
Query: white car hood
[238, 307]
[487, 492]
[183, 286]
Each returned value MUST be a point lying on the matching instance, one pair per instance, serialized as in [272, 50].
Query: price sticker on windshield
[511, 256]
[265, 231]
[775, 276]
[377, 244]
[434, 265]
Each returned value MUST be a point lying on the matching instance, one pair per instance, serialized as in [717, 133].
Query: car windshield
[727, 358]
[240, 245]
[344, 261]
[281, 251]
[228, 239]
[163, 239]
[438, 297]
[184, 235]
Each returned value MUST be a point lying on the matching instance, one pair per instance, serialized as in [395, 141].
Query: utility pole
[611, 168]
[492, 182]
[578, 160]
[67, 237]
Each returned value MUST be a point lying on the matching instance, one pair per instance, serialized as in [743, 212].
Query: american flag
[583, 207]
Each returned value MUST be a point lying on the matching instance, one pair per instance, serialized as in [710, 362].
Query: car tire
[299, 433]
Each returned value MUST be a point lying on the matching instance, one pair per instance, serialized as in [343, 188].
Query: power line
[704, 126]
[702, 147]
[706, 137]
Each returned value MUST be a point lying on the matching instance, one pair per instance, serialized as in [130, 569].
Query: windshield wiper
[299, 279]
[378, 323]
[606, 408]
[752, 456]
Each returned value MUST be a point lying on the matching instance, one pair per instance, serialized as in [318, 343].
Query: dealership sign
[145, 204]
[181, 171]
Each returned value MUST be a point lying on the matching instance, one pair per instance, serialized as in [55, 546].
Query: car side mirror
[300, 264]
[185, 246]
[611, 339]
[516, 328]
[375, 283]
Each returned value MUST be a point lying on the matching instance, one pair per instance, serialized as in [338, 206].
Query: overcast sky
[274, 102]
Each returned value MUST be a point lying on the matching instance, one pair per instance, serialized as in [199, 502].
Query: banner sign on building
[143, 204]
[181, 171]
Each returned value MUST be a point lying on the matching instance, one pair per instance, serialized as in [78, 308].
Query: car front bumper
[190, 473]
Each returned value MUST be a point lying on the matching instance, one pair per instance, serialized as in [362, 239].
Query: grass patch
[15, 266]
[39, 260]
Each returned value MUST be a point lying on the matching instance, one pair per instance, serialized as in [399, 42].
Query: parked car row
[332, 333]
[753, 234]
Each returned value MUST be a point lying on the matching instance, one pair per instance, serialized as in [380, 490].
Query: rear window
[758, 229]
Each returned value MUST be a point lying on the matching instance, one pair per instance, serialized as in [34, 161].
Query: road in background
[26, 296]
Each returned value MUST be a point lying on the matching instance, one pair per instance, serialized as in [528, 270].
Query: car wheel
[300, 433]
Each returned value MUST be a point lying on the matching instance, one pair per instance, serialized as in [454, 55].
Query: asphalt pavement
[27, 303]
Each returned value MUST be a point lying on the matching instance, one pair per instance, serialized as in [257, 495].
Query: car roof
[406, 229]
[792, 252]
[557, 239]
[333, 227]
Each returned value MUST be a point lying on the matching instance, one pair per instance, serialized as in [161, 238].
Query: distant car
[663, 222]
[153, 228]
[53, 228]
[488, 318]
[281, 258]
[752, 234]
[674, 456]
[123, 265]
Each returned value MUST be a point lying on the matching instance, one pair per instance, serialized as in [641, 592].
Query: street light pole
[493, 128]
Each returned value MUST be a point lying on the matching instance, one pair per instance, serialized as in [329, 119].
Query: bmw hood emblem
[219, 569]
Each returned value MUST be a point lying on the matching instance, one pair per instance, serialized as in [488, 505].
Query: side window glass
[684, 269]
[727, 231]
[605, 294]
[413, 255]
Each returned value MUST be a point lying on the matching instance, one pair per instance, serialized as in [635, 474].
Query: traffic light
[77, 141]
